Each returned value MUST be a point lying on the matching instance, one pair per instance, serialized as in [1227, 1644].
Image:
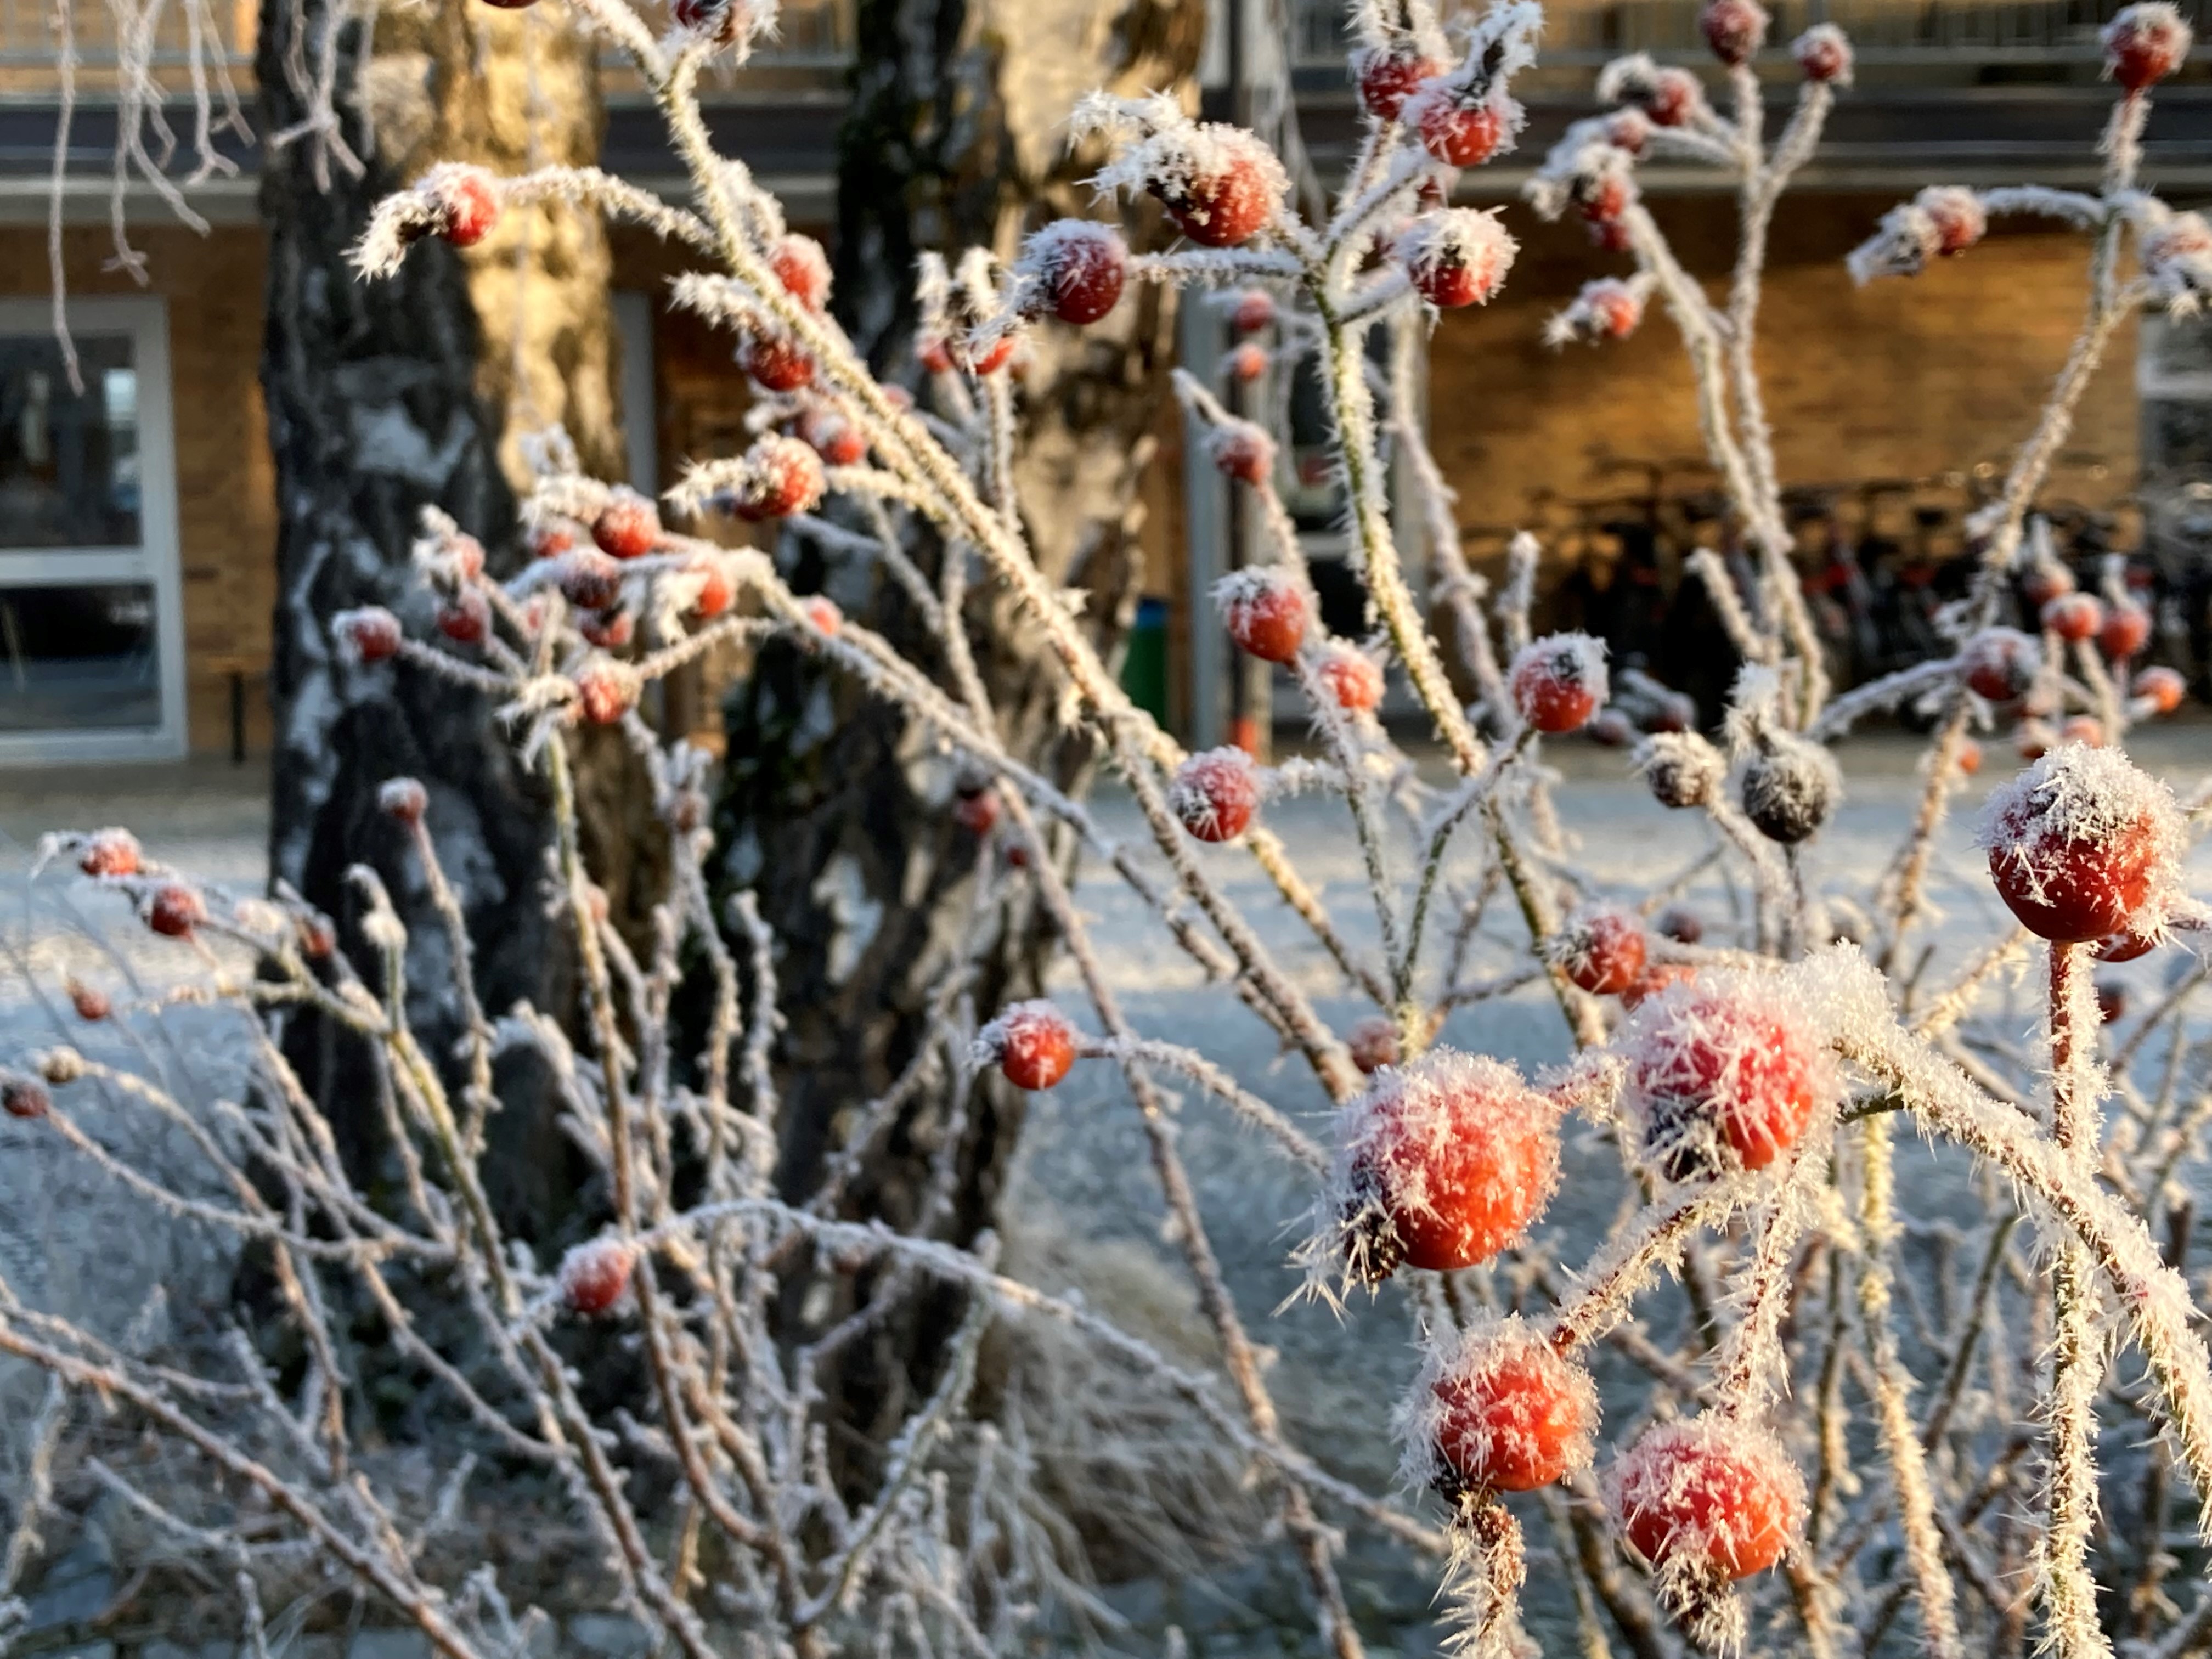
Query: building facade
[136, 517]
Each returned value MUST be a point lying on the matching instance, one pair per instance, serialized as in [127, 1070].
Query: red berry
[1265, 612]
[934, 355]
[802, 267]
[1628, 130]
[404, 799]
[1600, 950]
[1970, 757]
[1673, 97]
[594, 1276]
[551, 541]
[784, 476]
[605, 691]
[2074, 616]
[1456, 256]
[824, 614]
[2126, 630]
[2046, 581]
[1603, 198]
[1723, 1073]
[2163, 689]
[628, 525]
[976, 810]
[1247, 362]
[109, 852]
[1374, 1043]
[372, 633]
[1503, 1412]
[713, 597]
[466, 617]
[591, 580]
[1256, 309]
[1216, 793]
[1229, 193]
[1033, 1043]
[1462, 134]
[777, 361]
[980, 360]
[1615, 308]
[175, 911]
[1447, 1161]
[1957, 215]
[24, 1097]
[464, 556]
[89, 1002]
[469, 207]
[2144, 44]
[1680, 924]
[2001, 664]
[1559, 682]
[1823, 53]
[1735, 29]
[836, 440]
[2083, 729]
[1244, 452]
[1387, 75]
[1353, 678]
[1081, 266]
[1719, 1498]
[2082, 845]
[610, 630]
[317, 938]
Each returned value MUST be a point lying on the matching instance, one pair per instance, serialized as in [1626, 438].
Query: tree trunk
[835, 808]
[385, 398]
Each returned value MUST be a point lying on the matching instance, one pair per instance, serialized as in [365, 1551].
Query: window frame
[154, 564]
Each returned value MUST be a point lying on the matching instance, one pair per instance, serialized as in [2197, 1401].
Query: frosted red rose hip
[2144, 44]
[2001, 664]
[1374, 1043]
[1352, 678]
[1559, 682]
[2082, 845]
[594, 1276]
[1724, 1072]
[1081, 267]
[1496, 1409]
[1714, 1496]
[1387, 75]
[1735, 29]
[109, 852]
[1265, 613]
[1216, 794]
[802, 268]
[777, 361]
[2125, 630]
[1032, 1044]
[1443, 1164]
[1460, 134]
[2161, 689]
[1222, 187]
[1600, 950]
[628, 526]
[1455, 257]
[174, 912]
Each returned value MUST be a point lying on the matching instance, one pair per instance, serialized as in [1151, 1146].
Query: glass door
[91, 626]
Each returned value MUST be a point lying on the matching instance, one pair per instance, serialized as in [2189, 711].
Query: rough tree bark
[384, 398]
[834, 808]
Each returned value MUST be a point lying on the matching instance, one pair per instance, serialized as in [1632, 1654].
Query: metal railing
[1884, 32]
[813, 34]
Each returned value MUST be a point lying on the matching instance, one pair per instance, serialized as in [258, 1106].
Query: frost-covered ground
[1086, 1207]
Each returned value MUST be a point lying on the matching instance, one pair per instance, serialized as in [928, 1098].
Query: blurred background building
[137, 519]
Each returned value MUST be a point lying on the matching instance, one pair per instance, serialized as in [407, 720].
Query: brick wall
[225, 484]
[1930, 382]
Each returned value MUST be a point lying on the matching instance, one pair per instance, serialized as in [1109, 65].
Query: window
[91, 633]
